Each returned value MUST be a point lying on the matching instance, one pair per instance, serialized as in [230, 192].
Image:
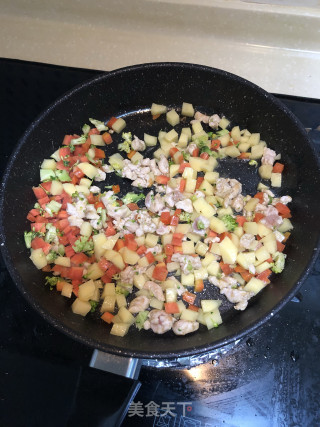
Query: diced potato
[94, 272]
[48, 164]
[194, 237]
[215, 249]
[263, 230]
[271, 245]
[232, 151]
[217, 225]
[109, 289]
[56, 156]
[80, 307]
[149, 272]
[108, 304]
[201, 274]
[130, 257]
[99, 240]
[190, 185]
[69, 188]
[63, 260]
[211, 177]
[56, 188]
[82, 189]
[151, 240]
[136, 158]
[254, 285]
[158, 109]
[183, 140]
[143, 262]
[201, 248]
[243, 147]
[254, 139]
[213, 268]
[188, 248]
[166, 239]
[173, 266]
[187, 279]
[197, 127]
[224, 211]
[174, 169]
[120, 329]
[251, 204]
[171, 295]
[97, 140]
[86, 290]
[140, 240]
[250, 227]
[228, 251]
[119, 125]
[38, 258]
[173, 117]
[209, 305]
[262, 254]
[121, 300]
[235, 133]
[89, 170]
[204, 208]
[239, 279]
[115, 258]
[190, 315]
[235, 240]
[116, 161]
[213, 319]
[238, 231]
[67, 290]
[224, 123]
[262, 267]
[186, 131]
[285, 226]
[265, 171]
[111, 241]
[224, 139]
[125, 315]
[257, 151]
[158, 153]
[244, 259]
[276, 179]
[183, 228]
[206, 187]
[150, 140]
[208, 259]
[201, 318]
[261, 187]
[86, 229]
[189, 173]
[155, 303]
[187, 109]
[116, 319]
[139, 280]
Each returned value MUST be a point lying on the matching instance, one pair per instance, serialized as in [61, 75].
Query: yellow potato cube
[88, 169]
[86, 290]
[130, 257]
[158, 109]
[213, 268]
[188, 248]
[217, 225]
[120, 329]
[80, 307]
[228, 251]
[187, 279]
[108, 304]
[250, 227]
[67, 290]
[56, 188]
[197, 126]
[224, 123]
[63, 261]
[254, 285]
[187, 109]
[151, 240]
[265, 171]
[119, 125]
[173, 117]
[125, 315]
[201, 248]
[38, 258]
[276, 179]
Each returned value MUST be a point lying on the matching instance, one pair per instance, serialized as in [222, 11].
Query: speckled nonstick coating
[129, 92]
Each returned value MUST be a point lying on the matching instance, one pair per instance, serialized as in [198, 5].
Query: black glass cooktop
[271, 378]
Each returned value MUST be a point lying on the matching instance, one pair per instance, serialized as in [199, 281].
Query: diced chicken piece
[260, 208]
[155, 250]
[117, 212]
[159, 321]
[155, 203]
[90, 212]
[201, 117]
[152, 164]
[77, 209]
[74, 221]
[246, 240]
[137, 144]
[185, 205]
[187, 263]
[225, 282]
[229, 189]
[154, 289]
[199, 193]
[183, 327]
[163, 165]
[268, 157]
[272, 217]
[94, 189]
[164, 229]
[238, 297]
[214, 121]
[238, 203]
[96, 224]
[191, 148]
[209, 240]
[107, 168]
[146, 225]
[200, 225]
[101, 175]
[127, 275]
[172, 196]
[139, 304]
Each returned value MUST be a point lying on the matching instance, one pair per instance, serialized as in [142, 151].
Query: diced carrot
[177, 249]
[120, 244]
[39, 192]
[31, 218]
[79, 258]
[62, 224]
[39, 227]
[99, 154]
[75, 273]
[111, 121]
[193, 307]
[162, 179]
[94, 131]
[204, 156]
[199, 181]
[215, 144]
[160, 272]
[129, 236]
[155, 116]
[189, 297]
[286, 236]
[240, 220]
[177, 239]
[174, 220]
[183, 166]
[69, 251]
[62, 214]
[110, 230]
[39, 243]
[104, 264]
[78, 172]
[165, 218]
[133, 206]
[195, 152]
[283, 210]
[278, 168]
[173, 151]
[212, 233]
[198, 285]
[60, 285]
[259, 196]
[67, 139]
[46, 268]
[64, 152]
[150, 257]
[99, 205]
[182, 185]
[280, 246]
[171, 307]
[131, 154]
[226, 268]
[75, 286]
[132, 245]
[168, 249]
[141, 250]
[107, 138]
[264, 276]
[258, 217]
[244, 156]
[107, 317]
[116, 189]
[46, 186]
[225, 234]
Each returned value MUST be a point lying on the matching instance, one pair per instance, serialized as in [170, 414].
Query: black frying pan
[129, 92]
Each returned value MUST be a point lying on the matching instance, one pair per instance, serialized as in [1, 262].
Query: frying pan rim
[160, 354]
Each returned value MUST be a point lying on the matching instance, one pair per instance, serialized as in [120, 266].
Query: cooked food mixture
[148, 257]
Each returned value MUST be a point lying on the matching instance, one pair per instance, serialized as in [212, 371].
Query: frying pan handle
[105, 390]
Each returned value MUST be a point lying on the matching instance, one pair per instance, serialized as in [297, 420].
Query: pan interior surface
[129, 93]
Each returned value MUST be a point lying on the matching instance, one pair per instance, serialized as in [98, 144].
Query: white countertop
[275, 45]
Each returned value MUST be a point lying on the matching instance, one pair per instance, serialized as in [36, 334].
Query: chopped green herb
[51, 281]
[94, 305]
[253, 163]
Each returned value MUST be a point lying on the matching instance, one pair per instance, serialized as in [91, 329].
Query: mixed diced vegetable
[146, 258]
